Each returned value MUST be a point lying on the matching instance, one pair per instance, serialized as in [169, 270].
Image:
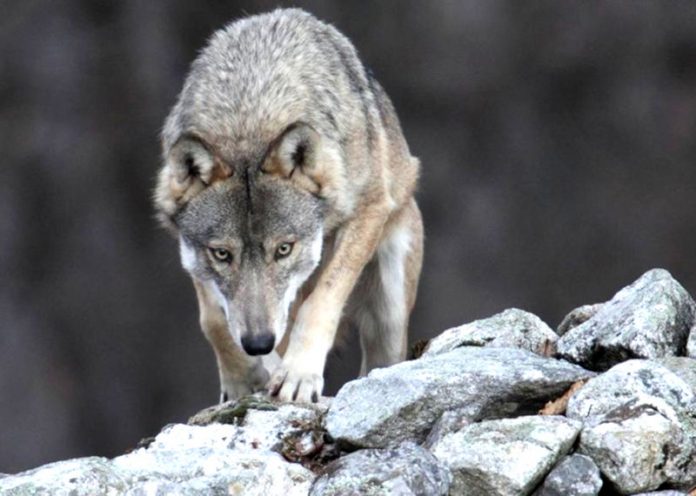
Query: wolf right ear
[189, 168]
[295, 155]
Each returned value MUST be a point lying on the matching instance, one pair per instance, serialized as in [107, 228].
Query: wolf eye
[221, 255]
[283, 250]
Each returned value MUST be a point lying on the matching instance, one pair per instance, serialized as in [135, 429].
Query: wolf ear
[295, 156]
[189, 168]
[190, 161]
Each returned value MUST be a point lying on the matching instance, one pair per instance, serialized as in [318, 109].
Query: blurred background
[557, 141]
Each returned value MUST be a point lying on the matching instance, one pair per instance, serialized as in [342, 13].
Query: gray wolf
[290, 187]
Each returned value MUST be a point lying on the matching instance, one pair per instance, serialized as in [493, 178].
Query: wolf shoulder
[274, 68]
[359, 113]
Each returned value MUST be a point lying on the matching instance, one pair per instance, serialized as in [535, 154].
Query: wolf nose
[260, 344]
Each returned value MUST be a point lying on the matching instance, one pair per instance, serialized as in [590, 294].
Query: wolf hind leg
[384, 297]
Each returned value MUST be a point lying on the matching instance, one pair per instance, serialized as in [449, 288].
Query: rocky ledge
[500, 406]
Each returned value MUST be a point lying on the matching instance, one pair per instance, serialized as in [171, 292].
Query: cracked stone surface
[575, 475]
[578, 316]
[627, 381]
[505, 457]
[404, 402]
[407, 469]
[651, 318]
[511, 328]
[226, 459]
[691, 343]
[640, 425]
[633, 448]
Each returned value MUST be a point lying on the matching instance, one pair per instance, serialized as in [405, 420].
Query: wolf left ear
[189, 168]
[295, 156]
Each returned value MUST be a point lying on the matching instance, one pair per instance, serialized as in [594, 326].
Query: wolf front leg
[240, 374]
[300, 376]
[383, 298]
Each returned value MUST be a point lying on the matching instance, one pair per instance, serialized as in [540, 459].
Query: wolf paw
[289, 384]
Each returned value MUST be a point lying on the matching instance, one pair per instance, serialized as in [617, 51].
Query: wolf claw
[287, 385]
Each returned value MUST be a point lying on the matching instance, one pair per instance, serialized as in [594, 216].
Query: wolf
[290, 187]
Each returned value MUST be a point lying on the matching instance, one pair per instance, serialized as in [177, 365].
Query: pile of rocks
[500, 406]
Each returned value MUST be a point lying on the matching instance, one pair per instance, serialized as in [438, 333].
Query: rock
[512, 328]
[646, 379]
[183, 452]
[505, 457]
[405, 470]
[163, 487]
[638, 448]
[235, 473]
[232, 412]
[441, 424]
[223, 458]
[683, 367]
[76, 477]
[691, 343]
[667, 492]
[650, 318]
[242, 409]
[295, 431]
[575, 475]
[240, 458]
[640, 425]
[449, 421]
[578, 316]
[404, 401]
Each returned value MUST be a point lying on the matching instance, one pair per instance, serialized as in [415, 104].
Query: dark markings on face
[247, 184]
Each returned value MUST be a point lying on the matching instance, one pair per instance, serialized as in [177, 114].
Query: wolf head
[255, 159]
[251, 232]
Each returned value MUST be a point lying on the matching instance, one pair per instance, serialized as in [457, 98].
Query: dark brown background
[557, 141]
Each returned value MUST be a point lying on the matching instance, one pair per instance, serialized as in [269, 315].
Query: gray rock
[163, 487]
[578, 316]
[683, 367]
[668, 492]
[627, 381]
[505, 457]
[640, 447]
[512, 328]
[225, 459]
[241, 410]
[449, 421]
[233, 412]
[640, 425]
[575, 475]
[404, 401]
[76, 477]
[220, 457]
[691, 343]
[650, 318]
[406, 470]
